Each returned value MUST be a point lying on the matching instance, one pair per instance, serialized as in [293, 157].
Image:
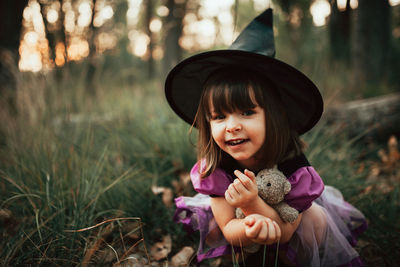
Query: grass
[346, 163]
[71, 160]
[60, 171]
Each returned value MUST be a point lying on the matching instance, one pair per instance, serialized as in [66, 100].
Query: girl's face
[240, 133]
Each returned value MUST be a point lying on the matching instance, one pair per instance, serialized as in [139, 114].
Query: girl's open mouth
[237, 142]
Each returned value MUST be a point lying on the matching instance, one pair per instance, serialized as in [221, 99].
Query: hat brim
[184, 84]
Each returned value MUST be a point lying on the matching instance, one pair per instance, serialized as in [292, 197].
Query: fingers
[263, 231]
[278, 231]
[232, 190]
[238, 186]
[253, 231]
[249, 220]
[274, 233]
[250, 174]
[247, 180]
[233, 194]
[271, 233]
[242, 191]
[230, 195]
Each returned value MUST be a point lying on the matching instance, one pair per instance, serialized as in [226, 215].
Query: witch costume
[254, 49]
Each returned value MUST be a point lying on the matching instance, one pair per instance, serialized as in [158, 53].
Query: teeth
[235, 142]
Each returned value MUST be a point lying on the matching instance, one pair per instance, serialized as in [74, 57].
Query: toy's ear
[288, 187]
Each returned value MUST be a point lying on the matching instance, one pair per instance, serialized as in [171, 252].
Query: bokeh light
[155, 25]
[394, 2]
[138, 42]
[52, 16]
[320, 10]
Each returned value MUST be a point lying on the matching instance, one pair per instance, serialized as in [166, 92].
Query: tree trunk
[339, 32]
[62, 71]
[11, 24]
[63, 37]
[150, 46]
[10, 35]
[50, 36]
[173, 30]
[371, 41]
[91, 69]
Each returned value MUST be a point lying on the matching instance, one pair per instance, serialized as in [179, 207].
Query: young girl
[250, 109]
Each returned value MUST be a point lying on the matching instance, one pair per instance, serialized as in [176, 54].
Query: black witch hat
[253, 49]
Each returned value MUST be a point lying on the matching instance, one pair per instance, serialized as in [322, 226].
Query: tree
[371, 47]
[173, 30]
[55, 35]
[148, 16]
[340, 31]
[91, 70]
[10, 31]
[297, 25]
[50, 36]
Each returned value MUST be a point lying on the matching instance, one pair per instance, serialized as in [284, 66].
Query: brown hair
[234, 88]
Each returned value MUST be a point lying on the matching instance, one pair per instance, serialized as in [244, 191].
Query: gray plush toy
[272, 187]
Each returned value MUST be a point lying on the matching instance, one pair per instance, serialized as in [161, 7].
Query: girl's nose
[233, 124]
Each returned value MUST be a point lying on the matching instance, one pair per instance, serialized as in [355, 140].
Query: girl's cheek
[216, 129]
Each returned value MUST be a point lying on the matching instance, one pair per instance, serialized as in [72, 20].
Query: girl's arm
[243, 193]
[241, 232]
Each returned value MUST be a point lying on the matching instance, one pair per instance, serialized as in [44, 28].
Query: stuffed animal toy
[272, 187]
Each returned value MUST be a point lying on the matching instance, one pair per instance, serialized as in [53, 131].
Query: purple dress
[307, 247]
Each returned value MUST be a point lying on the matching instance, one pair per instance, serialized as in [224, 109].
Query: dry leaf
[390, 162]
[390, 159]
[361, 168]
[394, 154]
[5, 215]
[8, 222]
[160, 250]
[131, 229]
[177, 187]
[383, 156]
[184, 177]
[392, 143]
[367, 189]
[167, 194]
[374, 172]
[177, 164]
[182, 186]
[385, 187]
[157, 189]
[167, 197]
[182, 258]
[133, 260]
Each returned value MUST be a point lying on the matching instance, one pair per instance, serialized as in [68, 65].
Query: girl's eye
[218, 117]
[248, 112]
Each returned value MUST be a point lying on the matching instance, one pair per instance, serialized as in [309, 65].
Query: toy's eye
[269, 184]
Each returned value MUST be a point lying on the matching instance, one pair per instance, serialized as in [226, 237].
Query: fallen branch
[378, 117]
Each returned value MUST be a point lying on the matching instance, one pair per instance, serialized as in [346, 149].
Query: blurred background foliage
[86, 134]
[348, 47]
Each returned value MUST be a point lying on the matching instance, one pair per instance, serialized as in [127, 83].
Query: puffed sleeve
[215, 184]
[307, 185]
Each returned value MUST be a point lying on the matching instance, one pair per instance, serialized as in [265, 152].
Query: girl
[250, 109]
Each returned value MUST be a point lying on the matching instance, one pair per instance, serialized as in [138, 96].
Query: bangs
[231, 94]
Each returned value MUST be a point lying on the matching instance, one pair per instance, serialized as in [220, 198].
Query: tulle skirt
[326, 234]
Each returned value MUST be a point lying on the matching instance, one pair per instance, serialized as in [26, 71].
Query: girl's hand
[262, 230]
[243, 191]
